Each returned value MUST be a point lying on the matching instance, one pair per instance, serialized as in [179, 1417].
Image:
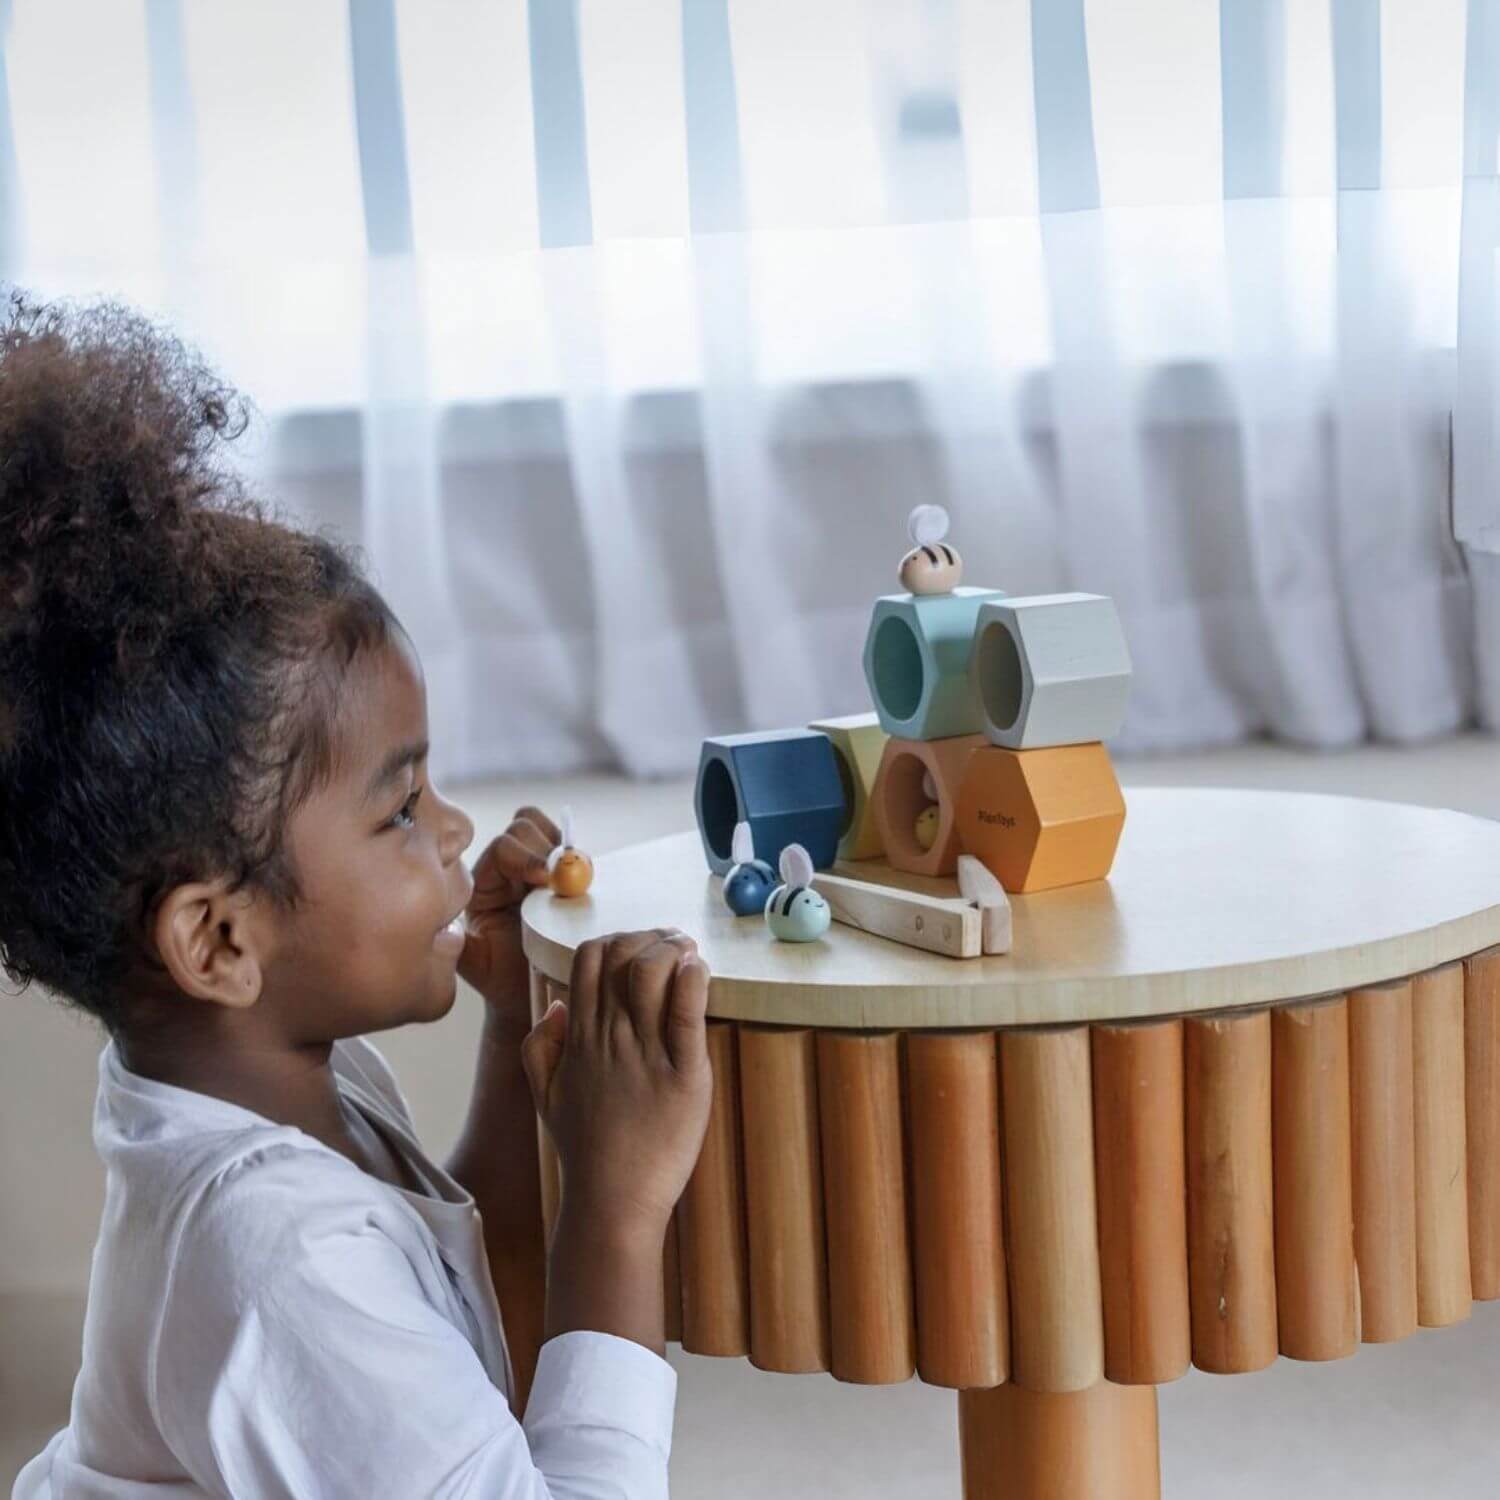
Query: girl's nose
[458, 832]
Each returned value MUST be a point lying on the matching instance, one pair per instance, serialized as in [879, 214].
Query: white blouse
[267, 1320]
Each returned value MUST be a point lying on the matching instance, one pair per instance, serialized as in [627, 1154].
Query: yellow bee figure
[932, 566]
[570, 872]
[926, 829]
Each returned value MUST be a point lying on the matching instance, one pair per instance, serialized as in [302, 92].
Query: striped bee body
[795, 912]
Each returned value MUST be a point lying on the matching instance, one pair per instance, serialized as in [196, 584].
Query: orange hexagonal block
[899, 800]
[1041, 818]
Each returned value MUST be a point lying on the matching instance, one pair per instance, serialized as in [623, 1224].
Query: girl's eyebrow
[395, 762]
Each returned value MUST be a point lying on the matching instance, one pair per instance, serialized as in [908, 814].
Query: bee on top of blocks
[932, 566]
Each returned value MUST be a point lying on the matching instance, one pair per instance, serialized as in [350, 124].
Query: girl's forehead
[384, 696]
[380, 727]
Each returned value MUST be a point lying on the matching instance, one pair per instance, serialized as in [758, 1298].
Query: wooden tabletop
[1218, 898]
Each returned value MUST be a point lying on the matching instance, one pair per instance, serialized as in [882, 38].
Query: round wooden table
[1240, 1100]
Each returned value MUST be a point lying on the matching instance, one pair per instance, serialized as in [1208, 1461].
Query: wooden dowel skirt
[711, 1221]
[1385, 1164]
[1057, 1314]
[1314, 1202]
[953, 1089]
[1231, 1247]
[864, 1184]
[1482, 1108]
[784, 1199]
[1140, 1170]
[1443, 1285]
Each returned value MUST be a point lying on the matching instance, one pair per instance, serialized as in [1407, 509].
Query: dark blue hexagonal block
[784, 783]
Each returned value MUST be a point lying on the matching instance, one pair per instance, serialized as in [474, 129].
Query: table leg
[543, 992]
[1096, 1444]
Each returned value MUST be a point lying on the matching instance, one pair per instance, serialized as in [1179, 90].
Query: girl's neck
[288, 1084]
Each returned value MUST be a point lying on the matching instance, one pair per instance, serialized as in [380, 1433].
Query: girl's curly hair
[170, 653]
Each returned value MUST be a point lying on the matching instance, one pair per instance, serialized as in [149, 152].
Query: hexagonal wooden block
[784, 783]
[1050, 669]
[858, 743]
[917, 663]
[1041, 818]
[899, 798]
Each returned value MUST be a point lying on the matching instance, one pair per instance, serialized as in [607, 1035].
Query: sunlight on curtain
[623, 337]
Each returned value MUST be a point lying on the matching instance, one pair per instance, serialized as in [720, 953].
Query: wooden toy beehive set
[984, 760]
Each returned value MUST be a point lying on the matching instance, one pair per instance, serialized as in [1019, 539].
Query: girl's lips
[450, 939]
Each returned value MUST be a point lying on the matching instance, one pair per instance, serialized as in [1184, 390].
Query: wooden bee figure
[796, 913]
[750, 880]
[932, 566]
[570, 872]
[929, 819]
[926, 828]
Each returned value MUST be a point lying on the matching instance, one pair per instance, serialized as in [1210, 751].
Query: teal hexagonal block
[917, 663]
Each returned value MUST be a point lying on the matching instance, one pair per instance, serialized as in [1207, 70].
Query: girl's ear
[208, 941]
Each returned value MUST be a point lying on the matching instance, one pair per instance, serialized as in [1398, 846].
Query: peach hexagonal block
[899, 799]
[1041, 818]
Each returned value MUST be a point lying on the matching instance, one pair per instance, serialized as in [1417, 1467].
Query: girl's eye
[405, 816]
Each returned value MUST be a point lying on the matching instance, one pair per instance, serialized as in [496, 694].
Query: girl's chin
[443, 995]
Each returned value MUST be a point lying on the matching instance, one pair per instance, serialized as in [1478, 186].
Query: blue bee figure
[796, 913]
[749, 880]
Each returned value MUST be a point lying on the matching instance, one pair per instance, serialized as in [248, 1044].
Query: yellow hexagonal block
[858, 743]
[1041, 818]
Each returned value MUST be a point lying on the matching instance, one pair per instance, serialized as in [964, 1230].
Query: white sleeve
[332, 1374]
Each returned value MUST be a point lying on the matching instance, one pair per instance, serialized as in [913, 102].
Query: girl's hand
[493, 960]
[620, 1075]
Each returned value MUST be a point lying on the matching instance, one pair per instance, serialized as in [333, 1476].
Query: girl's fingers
[619, 957]
[501, 874]
[533, 837]
[540, 820]
[650, 982]
[612, 998]
[611, 978]
[686, 1027]
[519, 862]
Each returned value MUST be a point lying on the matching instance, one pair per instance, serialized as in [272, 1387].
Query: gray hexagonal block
[917, 663]
[1050, 669]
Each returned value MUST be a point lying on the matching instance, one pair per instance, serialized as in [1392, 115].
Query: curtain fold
[624, 343]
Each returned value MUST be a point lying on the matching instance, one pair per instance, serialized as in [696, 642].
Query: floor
[1417, 1419]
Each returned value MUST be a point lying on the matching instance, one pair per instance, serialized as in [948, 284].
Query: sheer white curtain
[624, 336]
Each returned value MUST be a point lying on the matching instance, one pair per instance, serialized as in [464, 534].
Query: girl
[218, 837]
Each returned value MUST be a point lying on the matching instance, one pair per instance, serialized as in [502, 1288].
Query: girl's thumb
[542, 1050]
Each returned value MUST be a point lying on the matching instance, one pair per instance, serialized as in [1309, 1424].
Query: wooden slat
[1231, 1247]
[543, 992]
[1057, 1314]
[1140, 1168]
[1443, 1286]
[1314, 1181]
[864, 1192]
[1482, 1102]
[784, 1199]
[953, 1088]
[711, 1221]
[671, 1285]
[1385, 1164]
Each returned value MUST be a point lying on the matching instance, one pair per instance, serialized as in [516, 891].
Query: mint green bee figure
[795, 912]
